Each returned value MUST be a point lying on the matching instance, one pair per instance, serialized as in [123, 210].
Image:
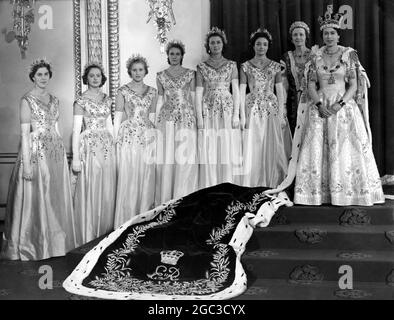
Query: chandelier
[163, 17]
[23, 15]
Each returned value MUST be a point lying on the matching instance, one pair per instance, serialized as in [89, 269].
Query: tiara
[330, 20]
[95, 64]
[264, 31]
[175, 42]
[216, 30]
[134, 58]
[299, 24]
[38, 62]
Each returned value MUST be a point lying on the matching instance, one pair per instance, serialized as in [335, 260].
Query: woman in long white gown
[94, 158]
[177, 167]
[267, 137]
[135, 143]
[39, 221]
[332, 156]
[219, 136]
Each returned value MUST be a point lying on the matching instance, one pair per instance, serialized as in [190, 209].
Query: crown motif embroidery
[264, 31]
[330, 20]
[299, 24]
[216, 30]
[38, 62]
[134, 58]
[175, 42]
[171, 257]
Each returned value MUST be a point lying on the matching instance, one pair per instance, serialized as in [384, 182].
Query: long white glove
[27, 169]
[117, 122]
[281, 100]
[235, 87]
[109, 125]
[159, 104]
[77, 125]
[242, 102]
[199, 108]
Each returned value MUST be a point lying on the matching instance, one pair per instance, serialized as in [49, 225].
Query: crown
[134, 58]
[264, 31]
[38, 62]
[175, 42]
[171, 257]
[95, 64]
[216, 30]
[330, 20]
[299, 24]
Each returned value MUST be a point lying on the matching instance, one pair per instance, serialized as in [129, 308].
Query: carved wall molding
[77, 47]
[113, 49]
[94, 31]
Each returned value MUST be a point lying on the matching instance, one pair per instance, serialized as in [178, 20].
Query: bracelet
[341, 103]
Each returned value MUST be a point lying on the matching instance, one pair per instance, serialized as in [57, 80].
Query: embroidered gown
[177, 169]
[220, 146]
[266, 145]
[336, 164]
[294, 73]
[95, 191]
[136, 154]
[39, 215]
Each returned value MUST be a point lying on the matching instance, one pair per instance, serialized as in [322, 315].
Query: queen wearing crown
[220, 145]
[135, 143]
[94, 160]
[39, 215]
[332, 156]
[177, 162]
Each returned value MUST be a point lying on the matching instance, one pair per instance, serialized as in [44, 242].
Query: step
[327, 236]
[382, 214]
[274, 289]
[368, 266]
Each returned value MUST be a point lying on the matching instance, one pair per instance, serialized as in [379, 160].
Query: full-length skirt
[266, 147]
[39, 215]
[336, 162]
[136, 174]
[95, 191]
[177, 161]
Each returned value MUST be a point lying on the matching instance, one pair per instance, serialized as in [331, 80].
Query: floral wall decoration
[163, 17]
[23, 15]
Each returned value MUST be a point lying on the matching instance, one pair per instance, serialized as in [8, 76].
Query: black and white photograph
[200, 150]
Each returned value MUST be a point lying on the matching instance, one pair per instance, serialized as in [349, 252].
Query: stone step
[276, 289]
[327, 236]
[376, 215]
[368, 266]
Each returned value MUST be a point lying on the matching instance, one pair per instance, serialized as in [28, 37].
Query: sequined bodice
[176, 89]
[43, 116]
[217, 79]
[137, 106]
[96, 113]
[261, 80]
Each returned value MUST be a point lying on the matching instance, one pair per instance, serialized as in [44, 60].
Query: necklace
[331, 54]
[303, 54]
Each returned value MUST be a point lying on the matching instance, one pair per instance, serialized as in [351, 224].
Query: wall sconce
[163, 17]
[23, 15]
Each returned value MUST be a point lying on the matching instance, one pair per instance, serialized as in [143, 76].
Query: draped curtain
[372, 36]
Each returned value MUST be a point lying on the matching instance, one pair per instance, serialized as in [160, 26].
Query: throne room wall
[136, 36]
[54, 40]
